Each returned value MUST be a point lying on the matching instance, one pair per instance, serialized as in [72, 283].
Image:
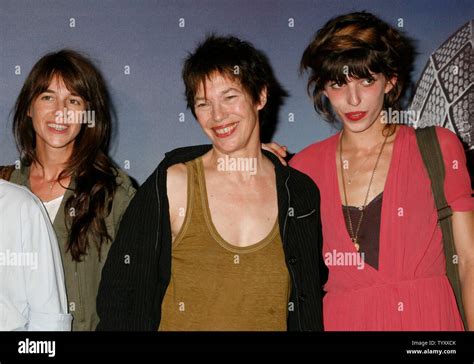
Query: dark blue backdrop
[153, 37]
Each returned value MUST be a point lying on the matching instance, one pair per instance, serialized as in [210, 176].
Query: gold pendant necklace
[354, 237]
[52, 184]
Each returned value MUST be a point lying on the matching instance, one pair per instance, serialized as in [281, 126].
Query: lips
[356, 115]
[224, 130]
[57, 128]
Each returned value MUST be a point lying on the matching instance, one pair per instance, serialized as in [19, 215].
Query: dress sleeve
[44, 276]
[457, 183]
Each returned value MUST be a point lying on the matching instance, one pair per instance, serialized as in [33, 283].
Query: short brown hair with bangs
[238, 60]
[357, 45]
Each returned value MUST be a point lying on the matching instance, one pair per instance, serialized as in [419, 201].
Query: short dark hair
[234, 58]
[356, 45]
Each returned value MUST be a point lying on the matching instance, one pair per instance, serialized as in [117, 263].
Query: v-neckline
[212, 227]
[375, 199]
[25, 173]
[387, 185]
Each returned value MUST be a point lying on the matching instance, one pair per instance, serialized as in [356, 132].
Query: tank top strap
[194, 205]
[199, 194]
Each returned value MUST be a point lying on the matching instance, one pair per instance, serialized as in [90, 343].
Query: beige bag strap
[433, 158]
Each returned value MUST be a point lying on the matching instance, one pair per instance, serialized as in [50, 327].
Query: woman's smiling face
[227, 113]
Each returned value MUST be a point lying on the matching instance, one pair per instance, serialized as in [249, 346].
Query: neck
[364, 140]
[52, 161]
[242, 165]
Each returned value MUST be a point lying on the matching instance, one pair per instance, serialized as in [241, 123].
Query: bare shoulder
[177, 176]
[176, 185]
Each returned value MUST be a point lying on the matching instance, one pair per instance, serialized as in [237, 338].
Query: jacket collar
[23, 178]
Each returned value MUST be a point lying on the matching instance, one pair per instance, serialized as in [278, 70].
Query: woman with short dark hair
[220, 237]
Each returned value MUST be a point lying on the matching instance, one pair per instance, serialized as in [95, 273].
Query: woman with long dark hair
[62, 125]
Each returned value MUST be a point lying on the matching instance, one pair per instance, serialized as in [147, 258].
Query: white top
[52, 207]
[32, 290]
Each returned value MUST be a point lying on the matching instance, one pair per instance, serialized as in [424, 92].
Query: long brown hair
[356, 45]
[89, 165]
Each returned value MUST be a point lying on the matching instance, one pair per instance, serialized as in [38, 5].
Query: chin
[358, 126]
[223, 144]
[225, 148]
[58, 143]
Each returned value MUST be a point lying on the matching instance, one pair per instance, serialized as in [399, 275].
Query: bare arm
[177, 190]
[463, 229]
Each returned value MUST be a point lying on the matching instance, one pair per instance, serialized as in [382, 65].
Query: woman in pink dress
[382, 243]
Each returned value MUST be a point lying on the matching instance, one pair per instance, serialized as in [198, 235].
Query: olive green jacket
[83, 278]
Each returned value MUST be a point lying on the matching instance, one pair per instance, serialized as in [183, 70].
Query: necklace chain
[354, 175]
[51, 184]
[355, 236]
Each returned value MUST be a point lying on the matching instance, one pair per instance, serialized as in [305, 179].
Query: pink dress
[410, 290]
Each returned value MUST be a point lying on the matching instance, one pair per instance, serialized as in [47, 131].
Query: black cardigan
[138, 267]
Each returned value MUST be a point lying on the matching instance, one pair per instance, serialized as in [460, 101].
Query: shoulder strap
[6, 172]
[433, 158]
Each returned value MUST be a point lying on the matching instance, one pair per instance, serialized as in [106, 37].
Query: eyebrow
[230, 89]
[53, 92]
[226, 91]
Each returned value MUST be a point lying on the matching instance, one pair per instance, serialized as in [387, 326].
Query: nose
[60, 111]
[218, 112]
[353, 94]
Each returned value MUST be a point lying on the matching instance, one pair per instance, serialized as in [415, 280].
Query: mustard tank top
[216, 286]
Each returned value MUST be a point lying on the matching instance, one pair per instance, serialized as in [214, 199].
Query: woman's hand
[278, 150]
